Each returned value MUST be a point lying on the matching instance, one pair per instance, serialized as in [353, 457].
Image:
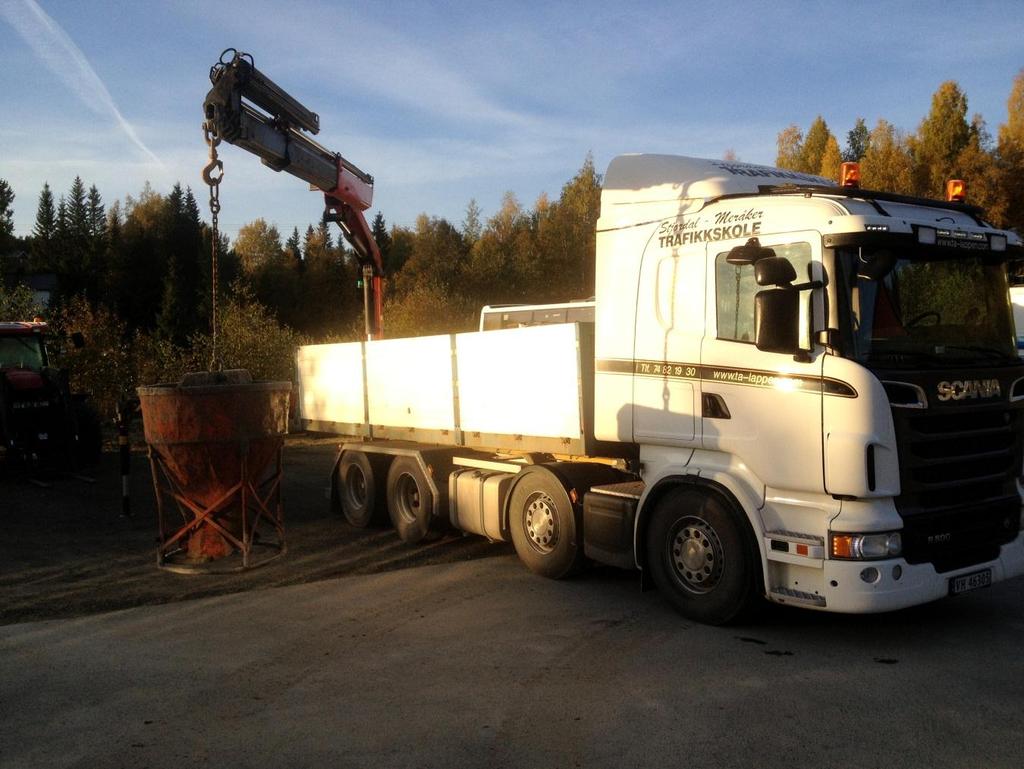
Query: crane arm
[246, 108]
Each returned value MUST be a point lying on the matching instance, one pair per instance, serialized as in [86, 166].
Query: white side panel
[520, 381]
[618, 270]
[410, 382]
[669, 332]
[331, 382]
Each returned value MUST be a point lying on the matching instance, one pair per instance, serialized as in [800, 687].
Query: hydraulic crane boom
[277, 135]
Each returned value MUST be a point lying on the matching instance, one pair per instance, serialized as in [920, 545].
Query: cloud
[65, 60]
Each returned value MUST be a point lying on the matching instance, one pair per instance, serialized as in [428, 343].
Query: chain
[213, 172]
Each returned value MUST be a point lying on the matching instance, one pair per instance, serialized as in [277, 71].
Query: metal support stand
[241, 518]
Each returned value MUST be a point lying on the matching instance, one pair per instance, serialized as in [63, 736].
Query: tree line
[137, 275]
[946, 145]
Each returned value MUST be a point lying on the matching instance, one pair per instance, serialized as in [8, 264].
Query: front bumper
[845, 591]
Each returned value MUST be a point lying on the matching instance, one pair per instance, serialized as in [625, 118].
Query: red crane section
[246, 108]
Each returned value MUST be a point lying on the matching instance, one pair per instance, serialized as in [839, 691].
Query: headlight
[865, 547]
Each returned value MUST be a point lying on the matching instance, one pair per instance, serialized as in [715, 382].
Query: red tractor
[42, 424]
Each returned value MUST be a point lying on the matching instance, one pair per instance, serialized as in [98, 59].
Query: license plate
[972, 581]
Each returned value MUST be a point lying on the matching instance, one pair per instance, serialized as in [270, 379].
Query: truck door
[670, 318]
[762, 408]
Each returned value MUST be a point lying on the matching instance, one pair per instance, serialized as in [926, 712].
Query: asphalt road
[479, 663]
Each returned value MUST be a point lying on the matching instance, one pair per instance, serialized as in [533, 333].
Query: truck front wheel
[701, 556]
[543, 526]
[410, 500]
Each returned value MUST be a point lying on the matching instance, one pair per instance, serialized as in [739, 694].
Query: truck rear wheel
[358, 489]
[701, 556]
[543, 526]
[410, 500]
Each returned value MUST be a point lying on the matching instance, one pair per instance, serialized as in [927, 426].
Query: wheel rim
[355, 486]
[696, 555]
[541, 523]
[407, 497]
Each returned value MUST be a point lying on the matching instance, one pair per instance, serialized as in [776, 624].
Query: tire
[545, 531]
[410, 500]
[358, 487]
[702, 556]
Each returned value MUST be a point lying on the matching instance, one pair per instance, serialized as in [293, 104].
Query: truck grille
[958, 472]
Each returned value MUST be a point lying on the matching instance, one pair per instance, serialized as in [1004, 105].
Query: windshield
[21, 352]
[925, 311]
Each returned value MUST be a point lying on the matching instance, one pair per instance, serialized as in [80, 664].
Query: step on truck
[792, 389]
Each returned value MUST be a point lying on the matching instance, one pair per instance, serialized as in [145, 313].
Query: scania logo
[961, 389]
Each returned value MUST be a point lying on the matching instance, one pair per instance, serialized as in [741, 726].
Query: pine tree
[309, 243]
[96, 216]
[97, 227]
[293, 248]
[379, 229]
[44, 233]
[76, 272]
[114, 223]
[857, 142]
[78, 214]
[62, 228]
[191, 207]
[59, 261]
[325, 233]
[6, 214]
[183, 289]
[471, 227]
[170, 320]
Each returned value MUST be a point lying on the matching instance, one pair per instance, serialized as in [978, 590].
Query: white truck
[791, 390]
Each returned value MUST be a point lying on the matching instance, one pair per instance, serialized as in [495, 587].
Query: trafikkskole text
[724, 225]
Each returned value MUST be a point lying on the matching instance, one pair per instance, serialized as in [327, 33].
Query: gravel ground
[66, 551]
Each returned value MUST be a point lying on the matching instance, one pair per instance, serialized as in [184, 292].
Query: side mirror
[777, 320]
[750, 252]
[774, 271]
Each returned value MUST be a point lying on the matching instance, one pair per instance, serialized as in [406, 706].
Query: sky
[444, 102]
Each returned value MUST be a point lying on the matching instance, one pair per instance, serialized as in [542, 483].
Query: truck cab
[822, 382]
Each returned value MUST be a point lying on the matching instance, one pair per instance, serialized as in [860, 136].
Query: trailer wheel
[410, 500]
[543, 526]
[358, 486]
[701, 556]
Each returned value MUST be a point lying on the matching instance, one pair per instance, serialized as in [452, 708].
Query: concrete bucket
[215, 443]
